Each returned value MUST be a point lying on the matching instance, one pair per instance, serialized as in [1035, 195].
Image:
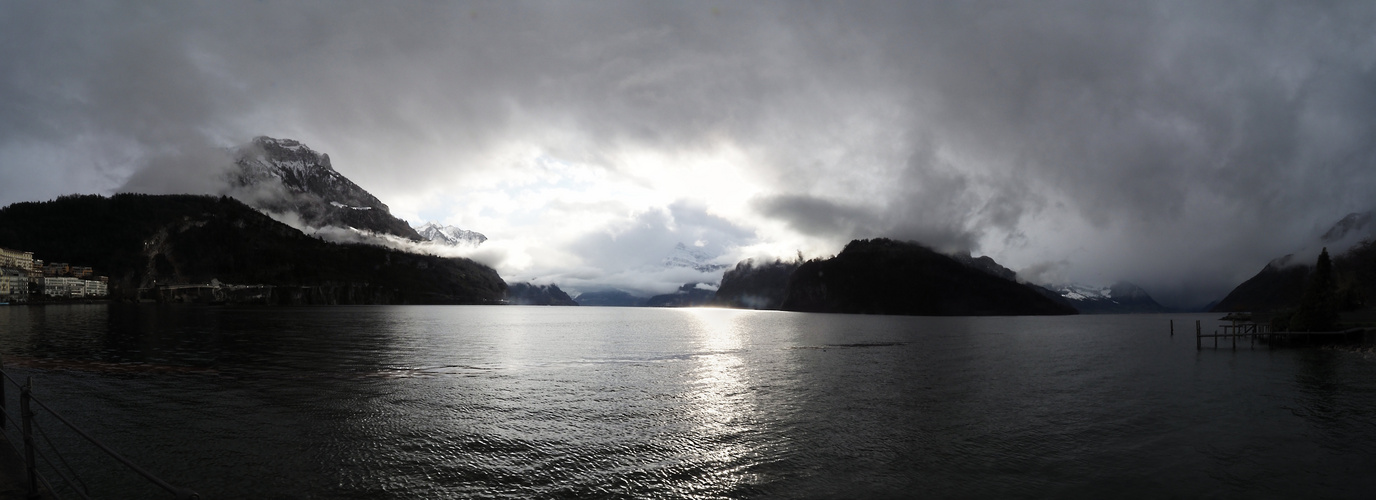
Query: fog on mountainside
[756, 285]
[526, 294]
[283, 176]
[1280, 284]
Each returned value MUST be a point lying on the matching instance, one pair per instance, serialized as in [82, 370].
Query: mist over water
[531, 402]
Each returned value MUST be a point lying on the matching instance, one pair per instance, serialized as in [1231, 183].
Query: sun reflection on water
[722, 412]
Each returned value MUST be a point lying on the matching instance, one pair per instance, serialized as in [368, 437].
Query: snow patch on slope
[1080, 292]
[450, 235]
[692, 258]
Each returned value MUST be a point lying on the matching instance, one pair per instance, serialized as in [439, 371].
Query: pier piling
[1261, 332]
[26, 417]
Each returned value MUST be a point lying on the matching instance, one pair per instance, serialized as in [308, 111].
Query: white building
[96, 288]
[61, 286]
[16, 259]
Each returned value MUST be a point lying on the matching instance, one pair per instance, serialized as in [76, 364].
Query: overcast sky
[1179, 145]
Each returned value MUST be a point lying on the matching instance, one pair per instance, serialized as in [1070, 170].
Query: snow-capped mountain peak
[1121, 297]
[1077, 291]
[450, 235]
[284, 175]
[692, 258]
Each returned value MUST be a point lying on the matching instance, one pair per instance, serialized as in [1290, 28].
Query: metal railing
[30, 453]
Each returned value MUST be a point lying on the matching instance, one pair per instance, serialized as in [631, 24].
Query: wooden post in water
[26, 416]
[4, 410]
[1172, 328]
[1197, 341]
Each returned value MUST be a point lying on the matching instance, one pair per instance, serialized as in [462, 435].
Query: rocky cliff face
[285, 176]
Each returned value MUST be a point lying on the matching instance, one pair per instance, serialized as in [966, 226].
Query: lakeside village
[24, 279]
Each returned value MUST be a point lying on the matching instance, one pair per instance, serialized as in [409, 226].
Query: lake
[570, 402]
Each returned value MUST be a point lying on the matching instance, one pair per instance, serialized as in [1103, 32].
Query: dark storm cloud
[1178, 144]
[1193, 136]
[818, 217]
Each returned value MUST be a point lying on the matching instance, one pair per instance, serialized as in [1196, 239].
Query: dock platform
[1254, 333]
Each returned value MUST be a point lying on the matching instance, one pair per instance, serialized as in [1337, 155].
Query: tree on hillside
[1318, 311]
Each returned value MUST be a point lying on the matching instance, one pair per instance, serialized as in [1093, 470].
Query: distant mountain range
[609, 298]
[1120, 298]
[688, 295]
[526, 294]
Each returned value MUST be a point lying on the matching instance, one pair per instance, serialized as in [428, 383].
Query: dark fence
[30, 430]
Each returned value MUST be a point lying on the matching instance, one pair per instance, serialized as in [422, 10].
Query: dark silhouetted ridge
[883, 276]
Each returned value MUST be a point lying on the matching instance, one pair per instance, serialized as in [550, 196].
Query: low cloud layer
[1180, 145]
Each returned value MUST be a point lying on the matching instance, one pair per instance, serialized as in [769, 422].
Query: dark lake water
[531, 402]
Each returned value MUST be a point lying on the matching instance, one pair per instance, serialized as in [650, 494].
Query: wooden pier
[1252, 333]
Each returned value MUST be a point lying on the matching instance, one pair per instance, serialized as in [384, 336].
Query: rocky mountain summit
[450, 235]
[285, 176]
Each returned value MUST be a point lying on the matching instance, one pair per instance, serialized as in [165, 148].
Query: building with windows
[61, 286]
[97, 288]
[14, 286]
[15, 259]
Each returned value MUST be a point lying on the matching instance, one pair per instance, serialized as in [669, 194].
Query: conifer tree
[1318, 310]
